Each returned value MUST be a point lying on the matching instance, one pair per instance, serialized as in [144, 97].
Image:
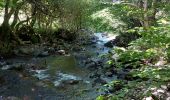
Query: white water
[104, 37]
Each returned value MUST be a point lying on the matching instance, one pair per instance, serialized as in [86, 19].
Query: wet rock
[109, 74]
[109, 44]
[50, 50]
[100, 81]
[43, 54]
[71, 82]
[36, 66]
[95, 75]
[122, 40]
[88, 60]
[91, 65]
[16, 67]
[61, 52]
[94, 38]
[93, 41]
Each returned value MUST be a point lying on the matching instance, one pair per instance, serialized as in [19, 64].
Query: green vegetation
[146, 58]
[141, 49]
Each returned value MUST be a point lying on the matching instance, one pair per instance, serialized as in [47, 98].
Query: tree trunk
[154, 11]
[146, 20]
[33, 15]
[16, 12]
[5, 28]
[15, 19]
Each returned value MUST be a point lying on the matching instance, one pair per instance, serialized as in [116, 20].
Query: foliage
[149, 49]
[102, 19]
[127, 14]
[147, 58]
[1, 4]
[139, 88]
[72, 13]
[161, 74]
[156, 77]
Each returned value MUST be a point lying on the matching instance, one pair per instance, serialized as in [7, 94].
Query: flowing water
[66, 77]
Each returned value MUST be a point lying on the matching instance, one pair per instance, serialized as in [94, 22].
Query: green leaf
[100, 97]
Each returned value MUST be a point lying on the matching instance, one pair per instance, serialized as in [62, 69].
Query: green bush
[149, 49]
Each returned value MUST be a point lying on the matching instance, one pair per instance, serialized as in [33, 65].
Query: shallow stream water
[65, 78]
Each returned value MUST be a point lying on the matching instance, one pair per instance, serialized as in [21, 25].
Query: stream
[65, 77]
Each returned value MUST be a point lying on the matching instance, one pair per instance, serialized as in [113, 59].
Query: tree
[144, 10]
[11, 7]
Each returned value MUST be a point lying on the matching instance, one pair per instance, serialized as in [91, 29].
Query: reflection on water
[66, 64]
[61, 68]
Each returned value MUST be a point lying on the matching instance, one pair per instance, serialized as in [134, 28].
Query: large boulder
[122, 40]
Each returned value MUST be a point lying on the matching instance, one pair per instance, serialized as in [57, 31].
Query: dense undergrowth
[147, 63]
[145, 60]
